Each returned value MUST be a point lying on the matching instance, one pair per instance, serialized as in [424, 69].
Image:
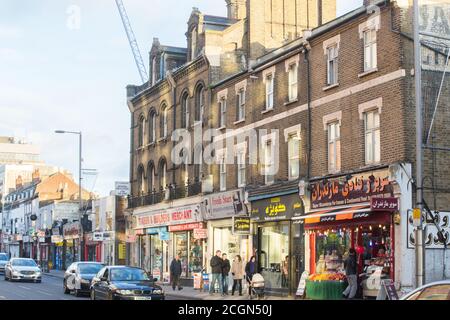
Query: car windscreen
[128, 274]
[3, 257]
[89, 268]
[23, 263]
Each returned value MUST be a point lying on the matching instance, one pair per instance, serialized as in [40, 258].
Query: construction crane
[133, 42]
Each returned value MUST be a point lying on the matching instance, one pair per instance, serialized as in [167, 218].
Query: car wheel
[93, 294]
[77, 293]
[66, 291]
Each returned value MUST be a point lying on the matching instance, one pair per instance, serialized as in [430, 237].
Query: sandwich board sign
[302, 284]
[387, 290]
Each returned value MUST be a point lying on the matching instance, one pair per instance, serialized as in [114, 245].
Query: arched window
[141, 128]
[152, 126]
[163, 124]
[150, 177]
[185, 111]
[163, 174]
[141, 179]
[199, 103]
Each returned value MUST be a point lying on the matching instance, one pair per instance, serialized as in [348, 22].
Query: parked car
[22, 269]
[3, 261]
[433, 291]
[78, 277]
[124, 283]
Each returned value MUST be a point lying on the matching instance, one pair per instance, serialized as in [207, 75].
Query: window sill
[331, 86]
[151, 144]
[239, 121]
[287, 103]
[221, 128]
[266, 111]
[164, 139]
[366, 73]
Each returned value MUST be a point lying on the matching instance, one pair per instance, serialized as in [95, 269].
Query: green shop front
[278, 241]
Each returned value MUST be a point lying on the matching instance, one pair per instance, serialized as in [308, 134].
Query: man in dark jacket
[216, 270]
[351, 271]
[226, 266]
[175, 272]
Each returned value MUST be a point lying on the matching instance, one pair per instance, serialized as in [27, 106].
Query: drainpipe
[308, 74]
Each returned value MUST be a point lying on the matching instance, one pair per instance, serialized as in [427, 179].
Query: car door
[8, 270]
[102, 285]
[69, 276]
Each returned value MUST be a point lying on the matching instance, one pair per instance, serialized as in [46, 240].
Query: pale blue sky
[54, 77]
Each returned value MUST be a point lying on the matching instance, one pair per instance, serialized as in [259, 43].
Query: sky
[64, 64]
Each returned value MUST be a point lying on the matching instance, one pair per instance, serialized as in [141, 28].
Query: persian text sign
[167, 217]
[384, 204]
[356, 190]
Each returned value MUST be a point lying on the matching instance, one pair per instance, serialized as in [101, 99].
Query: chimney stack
[19, 182]
[36, 176]
[237, 9]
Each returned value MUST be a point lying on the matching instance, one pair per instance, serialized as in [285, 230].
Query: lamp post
[80, 199]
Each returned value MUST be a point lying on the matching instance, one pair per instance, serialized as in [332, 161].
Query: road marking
[2, 297]
[23, 287]
[43, 292]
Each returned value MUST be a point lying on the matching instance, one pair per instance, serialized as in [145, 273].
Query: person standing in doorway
[351, 267]
[226, 267]
[175, 272]
[237, 271]
[216, 270]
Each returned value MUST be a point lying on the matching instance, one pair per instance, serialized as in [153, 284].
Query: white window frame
[372, 137]
[332, 64]
[370, 49]
[241, 105]
[153, 122]
[223, 112]
[241, 168]
[164, 175]
[269, 91]
[334, 145]
[185, 101]
[268, 178]
[293, 159]
[165, 124]
[293, 81]
[142, 128]
[223, 172]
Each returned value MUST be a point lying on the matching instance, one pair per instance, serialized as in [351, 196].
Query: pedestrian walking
[226, 267]
[175, 272]
[351, 270]
[216, 270]
[237, 271]
[250, 270]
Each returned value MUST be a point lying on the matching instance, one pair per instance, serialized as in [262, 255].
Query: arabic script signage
[356, 190]
[277, 208]
[241, 225]
[384, 204]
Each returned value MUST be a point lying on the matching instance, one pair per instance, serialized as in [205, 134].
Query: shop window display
[196, 255]
[156, 256]
[226, 241]
[181, 248]
[274, 256]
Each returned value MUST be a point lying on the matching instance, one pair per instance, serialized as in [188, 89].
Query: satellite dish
[33, 217]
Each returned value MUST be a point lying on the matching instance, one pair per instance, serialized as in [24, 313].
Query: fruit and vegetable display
[328, 276]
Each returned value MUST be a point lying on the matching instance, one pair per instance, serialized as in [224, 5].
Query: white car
[3, 261]
[433, 291]
[22, 269]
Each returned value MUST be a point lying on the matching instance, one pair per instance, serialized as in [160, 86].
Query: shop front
[71, 234]
[356, 213]
[221, 211]
[92, 248]
[278, 241]
[163, 234]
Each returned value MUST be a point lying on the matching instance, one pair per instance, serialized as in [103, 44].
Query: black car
[78, 277]
[124, 283]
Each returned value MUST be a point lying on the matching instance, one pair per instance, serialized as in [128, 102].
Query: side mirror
[105, 279]
[73, 271]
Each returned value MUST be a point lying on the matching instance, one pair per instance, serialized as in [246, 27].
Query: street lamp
[80, 199]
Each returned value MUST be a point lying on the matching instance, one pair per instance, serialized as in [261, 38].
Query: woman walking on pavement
[250, 270]
[237, 271]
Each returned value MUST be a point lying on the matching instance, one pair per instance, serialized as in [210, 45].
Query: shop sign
[41, 233]
[356, 190]
[186, 227]
[122, 188]
[173, 216]
[72, 230]
[241, 225]
[164, 236]
[41, 239]
[302, 284]
[57, 239]
[122, 251]
[18, 237]
[25, 239]
[156, 230]
[130, 238]
[278, 208]
[384, 204]
[224, 205]
[55, 232]
[139, 232]
[97, 236]
[433, 239]
[103, 236]
[200, 233]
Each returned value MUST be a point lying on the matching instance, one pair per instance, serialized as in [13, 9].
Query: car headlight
[158, 291]
[38, 273]
[124, 292]
[16, 273]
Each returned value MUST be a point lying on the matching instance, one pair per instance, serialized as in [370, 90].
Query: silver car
[3, 261]
[22, 269]
[433, 291]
